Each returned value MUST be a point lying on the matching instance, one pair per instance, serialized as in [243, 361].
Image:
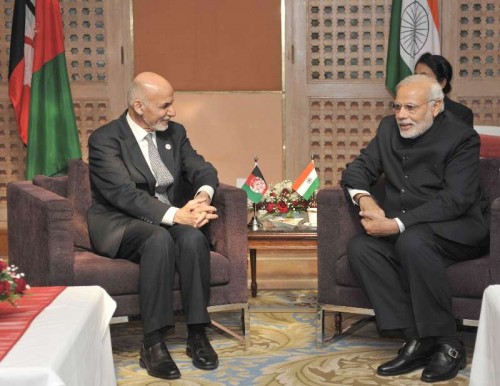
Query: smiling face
[415, 123]
[152, 103]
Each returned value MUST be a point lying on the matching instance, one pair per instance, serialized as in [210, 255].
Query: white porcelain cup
[312, 214]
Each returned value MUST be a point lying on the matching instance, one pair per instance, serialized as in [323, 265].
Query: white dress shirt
[140, 135]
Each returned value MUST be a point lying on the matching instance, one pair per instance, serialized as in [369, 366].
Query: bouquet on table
[12, 283]
[281, 199]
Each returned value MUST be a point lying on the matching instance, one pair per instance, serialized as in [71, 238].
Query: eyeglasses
[409, 107]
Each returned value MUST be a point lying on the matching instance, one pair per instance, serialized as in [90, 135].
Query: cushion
[490, 146]
[79, 194]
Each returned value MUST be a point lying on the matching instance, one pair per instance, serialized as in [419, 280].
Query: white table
[486, 359]
[68, 343]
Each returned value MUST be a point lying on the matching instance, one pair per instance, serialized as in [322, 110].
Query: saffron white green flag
[414, 31]
[307, 182]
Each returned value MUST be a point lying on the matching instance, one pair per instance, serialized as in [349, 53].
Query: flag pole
[255, 223]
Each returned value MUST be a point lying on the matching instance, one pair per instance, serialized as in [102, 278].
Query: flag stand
[254, 223]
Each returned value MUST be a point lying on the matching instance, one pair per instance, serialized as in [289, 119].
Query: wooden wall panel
[216, 45]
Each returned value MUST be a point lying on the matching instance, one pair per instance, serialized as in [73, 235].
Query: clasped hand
[197, 212]
[374, 221]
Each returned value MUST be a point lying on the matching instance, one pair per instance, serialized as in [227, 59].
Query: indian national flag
[307, 182]
[414, 31]
[255, 185]
[39, 87]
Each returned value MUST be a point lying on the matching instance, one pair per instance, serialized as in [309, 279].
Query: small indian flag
[307, 182]
[414, 31]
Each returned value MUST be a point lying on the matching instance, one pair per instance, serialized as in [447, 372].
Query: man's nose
[402, 113]
[171, 112]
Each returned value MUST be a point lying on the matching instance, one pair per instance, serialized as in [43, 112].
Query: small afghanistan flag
[307, 182]
[255, 185]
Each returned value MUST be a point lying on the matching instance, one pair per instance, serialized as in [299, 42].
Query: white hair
[135, 91]
[435, 90]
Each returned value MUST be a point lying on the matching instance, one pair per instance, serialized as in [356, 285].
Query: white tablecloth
[68, 343]
[485, 369]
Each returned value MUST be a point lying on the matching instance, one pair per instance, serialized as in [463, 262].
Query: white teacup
[312, 214]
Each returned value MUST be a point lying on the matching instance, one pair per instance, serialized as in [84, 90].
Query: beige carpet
[282, 350]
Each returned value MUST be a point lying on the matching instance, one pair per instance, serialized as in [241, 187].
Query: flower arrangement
[281, 199]
[12, 284]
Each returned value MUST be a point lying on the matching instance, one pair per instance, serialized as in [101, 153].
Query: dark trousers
[161, 251]
[405, 280]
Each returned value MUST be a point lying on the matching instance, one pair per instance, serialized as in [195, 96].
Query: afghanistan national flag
[307, 182]
[414, 30]
[39, 87]
[255, 185]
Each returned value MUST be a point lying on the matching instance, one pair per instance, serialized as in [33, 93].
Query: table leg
[253, 270]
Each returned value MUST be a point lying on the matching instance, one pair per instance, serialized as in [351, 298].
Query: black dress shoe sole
[463, 365]
[158, 374]
[201, 366]
[406, 370]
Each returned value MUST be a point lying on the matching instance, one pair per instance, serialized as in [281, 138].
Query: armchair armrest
[228, 235]
[40, 234]
[495, 242]
[338, 222]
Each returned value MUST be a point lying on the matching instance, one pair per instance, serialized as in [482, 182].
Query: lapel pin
[168, 146]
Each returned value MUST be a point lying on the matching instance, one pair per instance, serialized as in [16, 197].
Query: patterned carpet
[282, 350]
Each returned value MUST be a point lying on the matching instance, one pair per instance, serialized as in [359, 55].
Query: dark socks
[410, 333]
[152, 338]
[453, 341]
[194, 329]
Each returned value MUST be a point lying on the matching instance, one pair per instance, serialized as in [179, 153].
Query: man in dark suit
[434, 213]
[151, 194]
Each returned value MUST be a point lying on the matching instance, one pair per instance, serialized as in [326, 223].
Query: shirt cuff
[208, 189]
[353, 192]
[168, 218]
[401, 226]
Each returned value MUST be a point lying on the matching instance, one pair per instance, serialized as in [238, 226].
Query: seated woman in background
[437, 67]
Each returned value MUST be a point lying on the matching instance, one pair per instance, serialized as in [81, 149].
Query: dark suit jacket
[431, 179]
[460, 110]
[123, 186]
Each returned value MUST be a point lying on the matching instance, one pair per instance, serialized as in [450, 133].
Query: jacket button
[403, 190]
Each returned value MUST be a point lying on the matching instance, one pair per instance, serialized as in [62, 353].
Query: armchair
[338, 289]
[49, 242]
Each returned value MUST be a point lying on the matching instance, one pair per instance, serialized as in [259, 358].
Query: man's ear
[138, 107]
[437, 107]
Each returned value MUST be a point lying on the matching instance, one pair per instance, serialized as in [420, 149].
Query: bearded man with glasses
[434, 213]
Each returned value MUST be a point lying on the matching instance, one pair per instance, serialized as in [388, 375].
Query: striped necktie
[163, 176]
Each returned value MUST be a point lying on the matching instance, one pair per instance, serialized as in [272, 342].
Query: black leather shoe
[445, 363]
[200, 349]
[158, 362]
[415, 353]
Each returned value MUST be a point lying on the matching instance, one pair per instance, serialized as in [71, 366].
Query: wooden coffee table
[263, 239]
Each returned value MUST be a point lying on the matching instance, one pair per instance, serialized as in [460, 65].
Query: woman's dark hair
[440, 67]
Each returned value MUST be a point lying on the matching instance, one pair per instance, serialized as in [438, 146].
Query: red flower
[272, 194]
[282, 207]
[20, 285]
[4, 288]
[3, 265]
[270, 207]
